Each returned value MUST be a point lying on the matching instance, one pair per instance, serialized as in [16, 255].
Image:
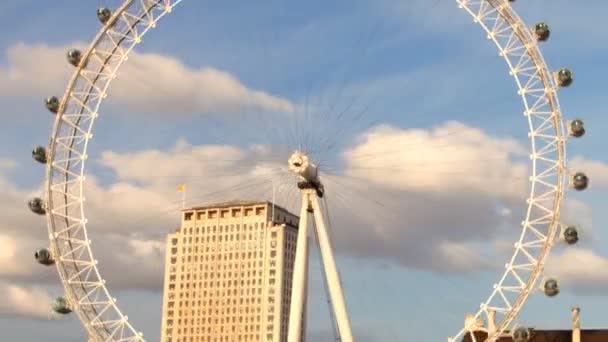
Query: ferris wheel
[122, 30]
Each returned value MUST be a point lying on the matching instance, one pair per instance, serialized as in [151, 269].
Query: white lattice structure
[98, 66]
[85, 288]
[517, 44]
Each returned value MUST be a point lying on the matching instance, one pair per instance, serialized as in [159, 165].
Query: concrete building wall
[228, 272]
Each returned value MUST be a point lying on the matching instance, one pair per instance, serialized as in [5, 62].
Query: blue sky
[405, 64]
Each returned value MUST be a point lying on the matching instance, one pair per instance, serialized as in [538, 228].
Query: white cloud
[34, 70]
[155, 83]
[461, 256]
[450, 157]
[6, 164]
[447, 191]
[146, 248]
[147, 83]
[130, 216]
[428, 198]
[119, 207]
[21, 233]
[133, 214]
[579, 214]
[31, 302]
[16, 256]
[144, 196]
[434, 198]
[580, 270]
[131, 262]
[596, 170]
[182, 162]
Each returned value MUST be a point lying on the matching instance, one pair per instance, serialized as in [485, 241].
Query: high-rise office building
[228, 274]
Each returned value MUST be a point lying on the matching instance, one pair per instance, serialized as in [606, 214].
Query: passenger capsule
[151, 4]
[551, 288]
[577, 128]
[74, 57]
[580, 181]
[564, 77]
[52, 104]
[571, 235]
[542, 31]
[39, 154]
[36, 205]
[44, 257]
[104, 15]
[61, 306]
[521, 335]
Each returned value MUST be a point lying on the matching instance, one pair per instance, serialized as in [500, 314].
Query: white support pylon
[300, 275]
[331, 274]
[310, 202]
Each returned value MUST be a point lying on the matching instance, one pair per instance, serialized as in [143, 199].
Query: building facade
[228, 274]
[537, 335]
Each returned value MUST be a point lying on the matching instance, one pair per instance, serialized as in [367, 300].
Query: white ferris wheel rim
[66, 220]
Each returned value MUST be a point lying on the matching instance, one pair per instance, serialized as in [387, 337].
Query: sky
[405, 105]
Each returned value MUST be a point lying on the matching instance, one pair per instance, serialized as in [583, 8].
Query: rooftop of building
[576, 334]
[587, 335]
[246, 204]
[236, 203]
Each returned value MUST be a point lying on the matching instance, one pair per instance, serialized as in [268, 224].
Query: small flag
[181, 188]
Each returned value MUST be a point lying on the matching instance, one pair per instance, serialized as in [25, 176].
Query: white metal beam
[331, 273]
[300, 274]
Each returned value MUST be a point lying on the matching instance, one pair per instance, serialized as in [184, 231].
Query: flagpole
[182, 189]
[273, 199]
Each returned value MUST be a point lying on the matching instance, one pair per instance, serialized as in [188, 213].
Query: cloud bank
[429, 199]
[147, 83]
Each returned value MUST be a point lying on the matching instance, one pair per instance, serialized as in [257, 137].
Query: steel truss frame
[518, 46]
[79, 108]
[310, 204]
